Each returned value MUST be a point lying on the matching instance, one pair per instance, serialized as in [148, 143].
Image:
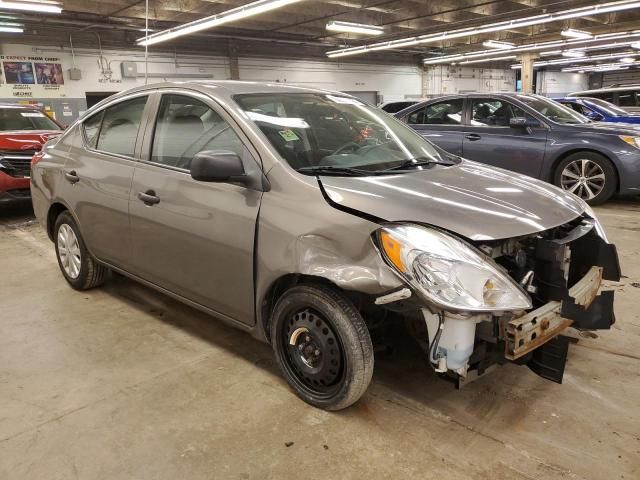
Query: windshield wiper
[418, 162]
[332, 169]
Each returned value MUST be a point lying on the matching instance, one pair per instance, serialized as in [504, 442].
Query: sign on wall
[31, 77]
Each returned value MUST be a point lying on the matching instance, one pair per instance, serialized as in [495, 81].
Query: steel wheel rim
[69, 251]
[313, 353]
[584, 178]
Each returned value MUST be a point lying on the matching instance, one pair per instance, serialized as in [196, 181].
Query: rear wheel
[78, 267]
[322, 346]
[588, 175]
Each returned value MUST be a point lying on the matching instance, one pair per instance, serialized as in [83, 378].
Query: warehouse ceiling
[299, 30]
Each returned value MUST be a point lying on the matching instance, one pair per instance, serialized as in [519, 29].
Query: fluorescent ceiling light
[566, 61]
[482, 60]
[636, 45]
[573, 33]
[597, 68]
[33, 6]
[338, 26]
[228, 16]
[574, 54]
[492, 27]
[627, 38]
[498, 44]
[9, 29]
[627, 60]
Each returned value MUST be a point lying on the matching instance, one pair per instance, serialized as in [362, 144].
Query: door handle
[72, 176]
[472, 137]
[149, 197]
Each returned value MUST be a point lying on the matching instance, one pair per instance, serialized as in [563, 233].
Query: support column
[526, 74]
[234, 69]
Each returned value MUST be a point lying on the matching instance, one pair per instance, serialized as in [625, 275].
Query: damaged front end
[513, 309]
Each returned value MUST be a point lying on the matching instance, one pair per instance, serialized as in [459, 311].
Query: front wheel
[322, 346]
[588, 175]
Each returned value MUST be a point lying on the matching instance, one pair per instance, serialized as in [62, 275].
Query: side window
[91, 128]
[442, 113]
[491, 112]
[120, 125]
[608, 96]
[186, 126]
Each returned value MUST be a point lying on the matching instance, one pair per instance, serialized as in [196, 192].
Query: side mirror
[219, 166]
[524, 122]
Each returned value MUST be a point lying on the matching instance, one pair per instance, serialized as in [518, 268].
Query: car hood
[469, 199]
[26, 139]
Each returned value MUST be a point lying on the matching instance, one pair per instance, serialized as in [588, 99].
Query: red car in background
[23, 131]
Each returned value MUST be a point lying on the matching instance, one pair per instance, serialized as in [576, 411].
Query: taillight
[36, 158]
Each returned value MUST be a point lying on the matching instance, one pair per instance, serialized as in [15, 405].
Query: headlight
[633, 141]
[448, 272]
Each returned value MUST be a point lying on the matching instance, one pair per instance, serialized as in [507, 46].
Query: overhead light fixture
[228, 16]
[636, 45]
[597, 68]
[580, 71]
[573, 33]
[566, 61]
[338, 26]
[11, 28]
[574, 54]
[498, 44]
[623, 39]
[627, 60]
[496, 59]
[32, 6]
[491, 27]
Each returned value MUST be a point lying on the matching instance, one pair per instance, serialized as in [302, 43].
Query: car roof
[232, 87]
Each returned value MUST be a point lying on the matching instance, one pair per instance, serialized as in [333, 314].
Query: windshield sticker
[344, 100]
[32, 114]
[288, 135]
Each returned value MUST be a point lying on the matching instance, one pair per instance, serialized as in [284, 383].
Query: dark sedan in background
[599, 110]
[535, 136]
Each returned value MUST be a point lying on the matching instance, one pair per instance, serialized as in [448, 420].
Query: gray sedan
[536, 136]
[310, 220]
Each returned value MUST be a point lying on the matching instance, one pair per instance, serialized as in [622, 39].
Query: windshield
[608, 107]
[554, 111]
[21, 119]
[316, 131]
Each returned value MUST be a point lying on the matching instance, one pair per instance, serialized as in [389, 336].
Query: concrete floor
[124, 383]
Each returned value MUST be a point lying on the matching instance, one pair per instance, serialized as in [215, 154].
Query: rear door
[197, 239]
[98, 177]
[489, 138]
[440, 122]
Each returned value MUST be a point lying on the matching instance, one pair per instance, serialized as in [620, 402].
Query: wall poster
[31, 77]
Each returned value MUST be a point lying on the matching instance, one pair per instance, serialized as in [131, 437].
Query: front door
[194, 238]
[441, 123]
[98, 176]
[489, 139]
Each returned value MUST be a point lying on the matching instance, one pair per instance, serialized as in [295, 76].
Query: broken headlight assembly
[448, 272]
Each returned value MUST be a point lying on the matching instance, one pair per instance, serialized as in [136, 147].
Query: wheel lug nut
[317, 352]
[307, 338]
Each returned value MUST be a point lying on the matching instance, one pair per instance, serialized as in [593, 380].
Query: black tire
[91, 273]
[335, 378]
[606, 168]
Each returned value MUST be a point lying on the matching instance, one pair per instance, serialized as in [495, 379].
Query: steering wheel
[349, 147]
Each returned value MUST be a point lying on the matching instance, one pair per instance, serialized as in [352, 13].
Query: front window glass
[554, 111]
[608, 107]
[186, 126]
[12, 119]
[491, 112]
[627, 98]
[313, 131]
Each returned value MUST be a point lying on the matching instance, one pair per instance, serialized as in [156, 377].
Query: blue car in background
[599, 110]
